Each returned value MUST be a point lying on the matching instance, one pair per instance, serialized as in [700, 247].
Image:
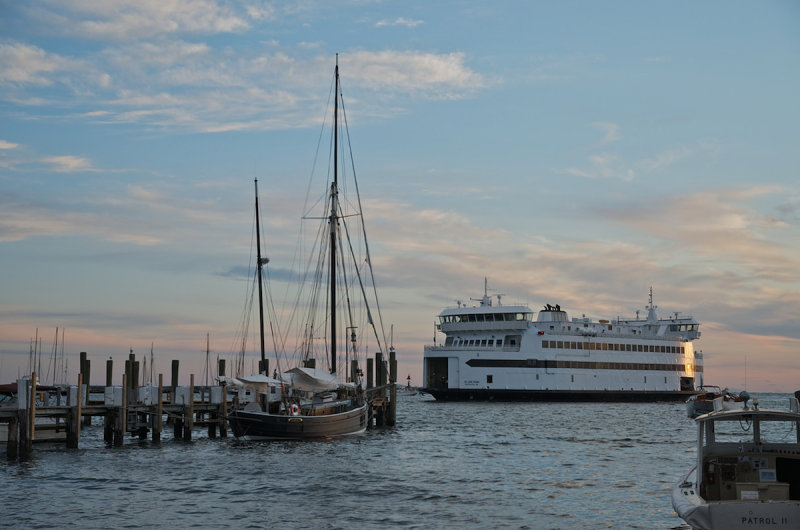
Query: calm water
[499, 465]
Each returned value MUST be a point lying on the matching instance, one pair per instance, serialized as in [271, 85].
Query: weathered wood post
[122, 417]
[12, 447]
[189, 412]
[380, 370]
[20, 433]
[86, 371]
[212, 416]
[380, 382]
[22, 414]
[159, 410]
[369, 373]
[31, 416]
[353, 371]
[109, 372]
[74, 418]
[392, 412]
[108, 417]
[134, 380]
[174, 380]
[223, 413]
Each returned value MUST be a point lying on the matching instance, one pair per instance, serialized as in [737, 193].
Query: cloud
[122, 20]
[709, 228]
[7, 145]
[429, 74]
[399, 21]
[666, 158]
[611, 131]
[604, 165]
[23, 64]
[68, 163]
[192, 86]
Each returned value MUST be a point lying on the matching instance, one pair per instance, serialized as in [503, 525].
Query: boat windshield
[768, 431]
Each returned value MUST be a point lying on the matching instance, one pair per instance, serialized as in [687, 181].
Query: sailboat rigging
[308, 401]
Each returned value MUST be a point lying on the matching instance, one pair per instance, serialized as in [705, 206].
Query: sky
[571, 152]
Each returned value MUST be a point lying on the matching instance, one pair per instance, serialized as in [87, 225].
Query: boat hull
[732, 515]
[256, 425]
[487, 394]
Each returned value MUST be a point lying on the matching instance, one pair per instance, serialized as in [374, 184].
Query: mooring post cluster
[129, 408]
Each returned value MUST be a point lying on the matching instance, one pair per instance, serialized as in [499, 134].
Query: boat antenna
[333, 217]
[261, 262]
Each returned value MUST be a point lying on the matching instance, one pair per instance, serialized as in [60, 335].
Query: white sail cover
[311, 379]
[259, 381]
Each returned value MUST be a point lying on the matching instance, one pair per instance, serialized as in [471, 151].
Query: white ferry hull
[557, 395]
[501, 353]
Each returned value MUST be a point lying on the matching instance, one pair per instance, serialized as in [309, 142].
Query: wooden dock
[139, 411]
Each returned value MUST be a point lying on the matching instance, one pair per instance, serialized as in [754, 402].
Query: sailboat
[308, 401]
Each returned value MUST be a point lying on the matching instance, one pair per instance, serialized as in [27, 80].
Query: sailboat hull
[256, 425]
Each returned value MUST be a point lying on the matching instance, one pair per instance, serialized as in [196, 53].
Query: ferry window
[580, 346]
[573, 346]
[483, 342]
[609, 327]
[499, 342]
[520, 316]
[683, 350]
[545, 344]
[560, 344]
[489, 379]
[448, 341]
[509, 316]
[491, 342]
[627, 347]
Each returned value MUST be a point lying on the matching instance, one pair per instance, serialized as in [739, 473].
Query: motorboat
[747, 473]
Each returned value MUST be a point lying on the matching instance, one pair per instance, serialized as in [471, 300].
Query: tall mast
[261, 262]
[333, 219]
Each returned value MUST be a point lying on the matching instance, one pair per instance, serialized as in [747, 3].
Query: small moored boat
[703, 402]
[747, 473]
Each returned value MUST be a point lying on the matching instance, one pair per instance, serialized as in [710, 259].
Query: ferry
[496, 352]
